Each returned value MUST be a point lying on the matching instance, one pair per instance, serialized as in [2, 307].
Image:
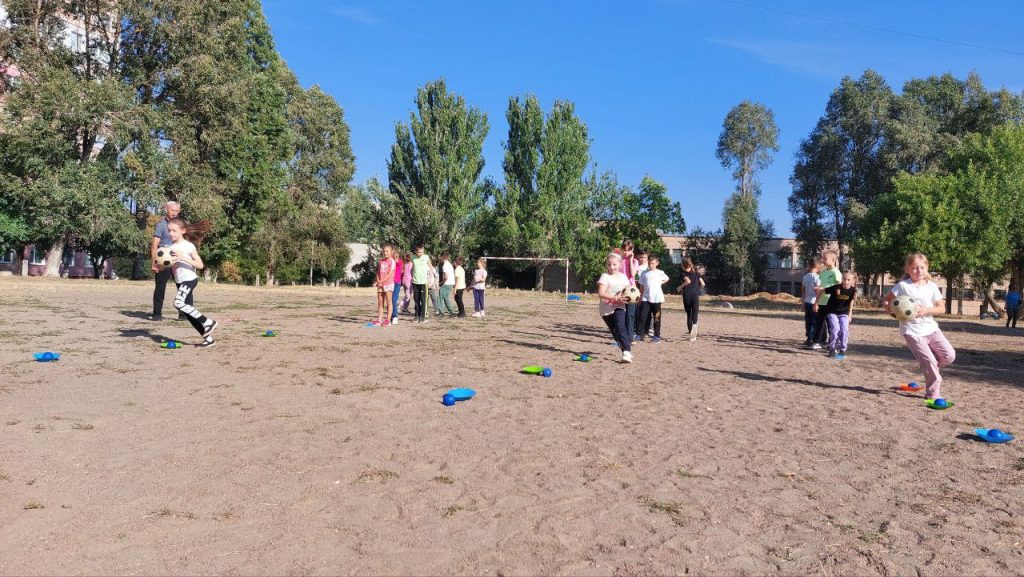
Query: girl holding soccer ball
[610, 288]
[187, 262]
[922, 334]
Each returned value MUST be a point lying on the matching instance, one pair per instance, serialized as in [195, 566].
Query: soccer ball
[904, 308]
[165, 257]
[632, 294]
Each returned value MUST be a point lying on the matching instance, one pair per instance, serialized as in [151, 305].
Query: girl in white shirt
[613, 304]
[923, 337]
[187, 262]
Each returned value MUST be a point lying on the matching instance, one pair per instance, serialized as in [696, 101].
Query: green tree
[747, 143]
[67, 108]
[748, 140]
[743, 233]
[842, 167]
[957, 220]
[541, 209]
[434, 172]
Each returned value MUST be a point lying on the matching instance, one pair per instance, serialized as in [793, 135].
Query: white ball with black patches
[165, 257]
[904, 308]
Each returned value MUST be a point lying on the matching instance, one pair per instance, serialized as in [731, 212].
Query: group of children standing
[829, 297]
[631, 322]
[420, 278]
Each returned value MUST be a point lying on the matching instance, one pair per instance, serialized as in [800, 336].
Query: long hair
[687, 264]
[195, 232]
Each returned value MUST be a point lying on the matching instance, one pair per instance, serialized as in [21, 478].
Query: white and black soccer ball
[904, 308]
[633, 294]
[165, 257]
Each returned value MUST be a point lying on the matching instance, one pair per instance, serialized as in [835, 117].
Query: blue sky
[652, 79]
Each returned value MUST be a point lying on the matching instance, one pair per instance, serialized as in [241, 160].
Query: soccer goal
[563, 261]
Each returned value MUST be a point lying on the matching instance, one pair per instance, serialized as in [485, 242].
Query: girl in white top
[613, 304]
[479, 284]
[187, 262]
[923, 337]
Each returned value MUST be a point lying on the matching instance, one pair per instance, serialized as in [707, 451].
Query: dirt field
[326, 450]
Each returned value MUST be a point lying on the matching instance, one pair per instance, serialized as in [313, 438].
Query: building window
[677, 256]
[7, 257]
[68, 259]
[38, 257]
[773, 260]
[87, 261]
[787, 262]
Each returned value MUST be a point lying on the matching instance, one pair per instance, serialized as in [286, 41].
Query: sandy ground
[326, 450]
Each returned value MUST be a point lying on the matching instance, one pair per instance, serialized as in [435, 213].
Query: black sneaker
[207, 343]
[208, 330]
[155, 317]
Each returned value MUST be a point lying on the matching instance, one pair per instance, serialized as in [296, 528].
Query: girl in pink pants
[925, 340]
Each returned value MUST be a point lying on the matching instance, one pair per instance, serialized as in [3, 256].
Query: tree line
[936, 168]
[190, 101]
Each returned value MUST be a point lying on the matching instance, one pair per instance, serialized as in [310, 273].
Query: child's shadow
[142, 333]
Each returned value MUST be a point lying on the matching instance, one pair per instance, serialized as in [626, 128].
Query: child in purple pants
[839, 312]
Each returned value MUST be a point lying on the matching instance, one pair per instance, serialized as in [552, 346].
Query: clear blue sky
[652, 79]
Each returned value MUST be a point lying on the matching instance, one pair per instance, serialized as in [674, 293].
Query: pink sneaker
[385, 324]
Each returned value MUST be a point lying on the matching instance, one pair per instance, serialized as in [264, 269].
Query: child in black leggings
[691, 287]
[187, 263]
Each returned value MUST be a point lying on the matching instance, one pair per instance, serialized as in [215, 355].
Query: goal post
[564, 261]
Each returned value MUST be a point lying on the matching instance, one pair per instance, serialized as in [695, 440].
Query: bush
[229, 271]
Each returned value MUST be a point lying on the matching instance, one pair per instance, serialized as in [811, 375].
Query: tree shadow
[142, 333]
[760, 377]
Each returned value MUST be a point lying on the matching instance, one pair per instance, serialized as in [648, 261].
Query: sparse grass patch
[335, 391]
[4, 476]
[376, 475]
[688, 475]
[82, 427]
[673, 509]
[444, 480]
[871, 537]
[165, 512]
[453, 509]
[34, 505]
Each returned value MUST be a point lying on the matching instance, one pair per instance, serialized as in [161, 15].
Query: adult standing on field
[162, 238]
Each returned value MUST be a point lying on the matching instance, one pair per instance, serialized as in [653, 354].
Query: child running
[186, 279]
[479, 285]
[385, 284]
[613, 304]
[691, 287]
[923, 336]
[650, 307]
[809, 283]
[839, 311]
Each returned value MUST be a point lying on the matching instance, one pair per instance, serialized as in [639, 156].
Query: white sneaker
[394, 321]
[627, 357]
[483, 313]
[476, 314]
[693, 333]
